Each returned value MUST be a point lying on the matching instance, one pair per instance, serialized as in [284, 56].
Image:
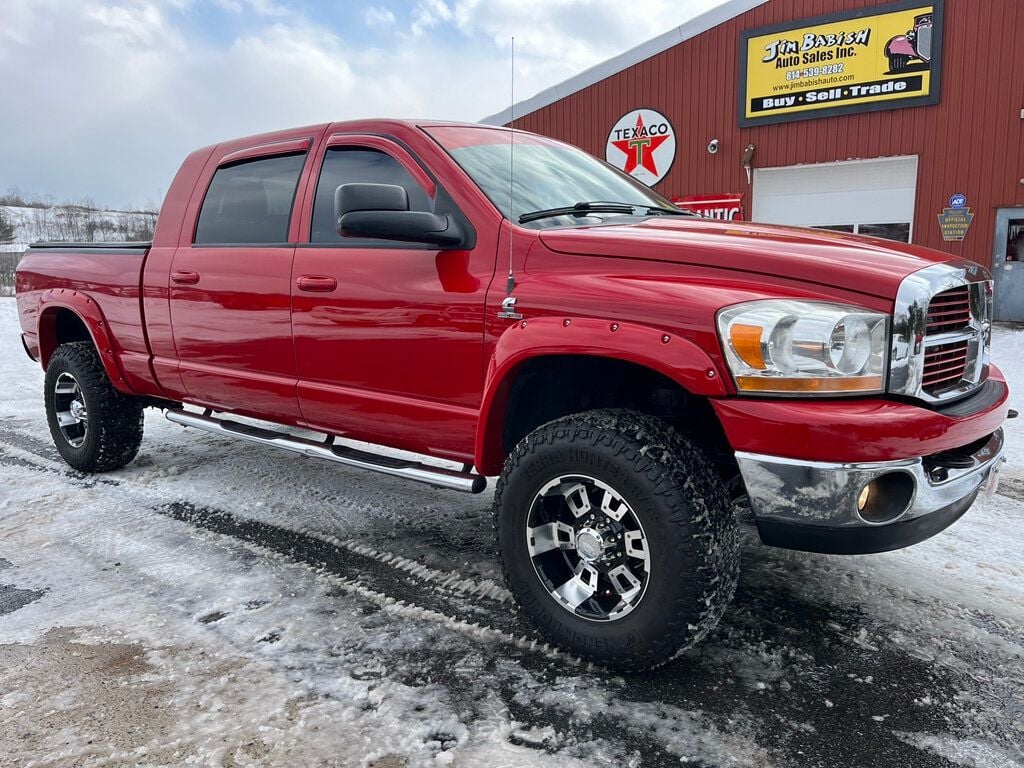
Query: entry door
[230, 292]
[388, 335]
[1008, 265]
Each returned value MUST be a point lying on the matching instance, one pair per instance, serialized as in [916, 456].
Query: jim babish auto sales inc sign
[885, 57]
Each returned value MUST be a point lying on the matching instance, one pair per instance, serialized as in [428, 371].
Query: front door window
[365, 166]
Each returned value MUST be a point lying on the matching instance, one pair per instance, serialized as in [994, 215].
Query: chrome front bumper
[819, 506]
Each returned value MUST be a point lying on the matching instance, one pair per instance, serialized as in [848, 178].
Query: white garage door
[867, 197]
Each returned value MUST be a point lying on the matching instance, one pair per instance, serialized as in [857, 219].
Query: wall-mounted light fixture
[748, 162]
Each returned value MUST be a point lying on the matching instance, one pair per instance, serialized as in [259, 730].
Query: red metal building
[903, 120]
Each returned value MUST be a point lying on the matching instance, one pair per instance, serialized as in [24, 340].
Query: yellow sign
[954, 223]
[856, 61]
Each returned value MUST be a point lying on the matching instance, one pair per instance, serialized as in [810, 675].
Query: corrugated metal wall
[972, 142]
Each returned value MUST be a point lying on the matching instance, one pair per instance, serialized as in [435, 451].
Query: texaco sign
[643, 144]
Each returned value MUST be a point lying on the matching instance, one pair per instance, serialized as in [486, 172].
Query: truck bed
[94, 285]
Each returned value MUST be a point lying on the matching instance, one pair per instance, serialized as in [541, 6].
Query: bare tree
[6, 229]
[8, 264]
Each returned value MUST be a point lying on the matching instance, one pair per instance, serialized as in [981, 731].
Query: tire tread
[684, 478]
[116, 417]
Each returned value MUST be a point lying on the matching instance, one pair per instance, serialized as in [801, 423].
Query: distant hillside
[25, 221]
[72, 222]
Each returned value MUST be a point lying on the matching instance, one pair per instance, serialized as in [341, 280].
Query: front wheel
[94, 427]
[616, 536]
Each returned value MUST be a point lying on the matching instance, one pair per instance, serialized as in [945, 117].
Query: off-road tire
[676, 494]
[114, 420]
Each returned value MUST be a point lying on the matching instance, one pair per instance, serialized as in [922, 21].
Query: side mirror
[369, 197]
[381, 211]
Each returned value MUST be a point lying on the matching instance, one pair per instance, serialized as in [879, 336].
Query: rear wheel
[616, 537]
[94, 427]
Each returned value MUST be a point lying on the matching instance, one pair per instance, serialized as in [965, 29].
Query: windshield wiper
[657, 210]
[582, 209]
[579, 209]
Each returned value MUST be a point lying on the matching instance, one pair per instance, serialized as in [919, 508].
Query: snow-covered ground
[222, 604]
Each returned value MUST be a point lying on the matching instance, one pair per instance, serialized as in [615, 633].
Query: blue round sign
[958, 201]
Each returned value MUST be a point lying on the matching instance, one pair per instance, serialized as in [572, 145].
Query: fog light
[886, 498]
[864, 496]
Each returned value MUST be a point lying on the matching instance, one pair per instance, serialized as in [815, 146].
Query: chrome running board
[466, 482]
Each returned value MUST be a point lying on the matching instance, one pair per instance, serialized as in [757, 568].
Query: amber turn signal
[746, 341]
[796, 385]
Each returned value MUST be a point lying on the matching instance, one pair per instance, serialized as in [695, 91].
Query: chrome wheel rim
[72, 414]
[588, 548]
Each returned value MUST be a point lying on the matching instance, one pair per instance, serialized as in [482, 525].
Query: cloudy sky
[105, 99]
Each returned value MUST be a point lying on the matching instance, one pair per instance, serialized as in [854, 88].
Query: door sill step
[467, 482]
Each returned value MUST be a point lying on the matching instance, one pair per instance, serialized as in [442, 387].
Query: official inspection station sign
[885, 57]
[956, 220]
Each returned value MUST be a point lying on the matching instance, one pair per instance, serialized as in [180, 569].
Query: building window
[898, 232]
[1015, 240]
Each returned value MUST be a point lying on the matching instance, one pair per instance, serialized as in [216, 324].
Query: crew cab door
[388, 335]
[230, 297]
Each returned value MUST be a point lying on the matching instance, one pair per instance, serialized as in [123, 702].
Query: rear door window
[250, 202]
[358, 165]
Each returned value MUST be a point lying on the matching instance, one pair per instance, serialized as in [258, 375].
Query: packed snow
[216, 603]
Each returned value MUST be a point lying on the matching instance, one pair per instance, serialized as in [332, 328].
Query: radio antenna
[511, 165]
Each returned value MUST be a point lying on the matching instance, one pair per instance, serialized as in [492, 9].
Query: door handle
[185, 278]
[316, 284]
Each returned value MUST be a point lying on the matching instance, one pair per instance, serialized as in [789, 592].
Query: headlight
[804, 347]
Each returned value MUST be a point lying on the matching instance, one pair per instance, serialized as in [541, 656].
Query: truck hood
[864, 265]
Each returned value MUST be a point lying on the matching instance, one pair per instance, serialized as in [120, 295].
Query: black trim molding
[107, 249]
[990, 393]
[861, 540]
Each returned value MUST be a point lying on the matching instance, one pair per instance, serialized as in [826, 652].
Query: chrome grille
[941, 331]
[944, 366]
[949, 311]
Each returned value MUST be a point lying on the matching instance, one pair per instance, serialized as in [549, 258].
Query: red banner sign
[727, 207]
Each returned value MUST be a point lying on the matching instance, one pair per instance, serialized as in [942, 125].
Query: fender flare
[662, 351]
[88, 311]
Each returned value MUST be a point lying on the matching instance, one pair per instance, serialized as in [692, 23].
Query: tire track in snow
[399, 588]
[629, 714]
[31, 452]
[407, 589]
[28, 451]
[395, 582]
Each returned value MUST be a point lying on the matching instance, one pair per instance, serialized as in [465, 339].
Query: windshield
[548, 174]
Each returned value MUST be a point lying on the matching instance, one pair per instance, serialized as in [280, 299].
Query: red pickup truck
[633, 374]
